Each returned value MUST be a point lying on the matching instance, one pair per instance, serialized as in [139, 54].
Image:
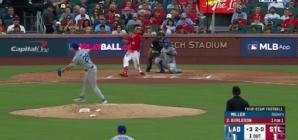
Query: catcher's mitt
[59, 71]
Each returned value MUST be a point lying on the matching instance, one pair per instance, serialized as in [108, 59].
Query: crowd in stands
[119, 17]
[274, 17]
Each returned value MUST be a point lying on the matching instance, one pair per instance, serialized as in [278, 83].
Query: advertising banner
[27, 47]
[219, 6]
[101, 46]
[272, 47]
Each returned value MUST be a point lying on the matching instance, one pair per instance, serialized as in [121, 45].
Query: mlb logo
[252, 46]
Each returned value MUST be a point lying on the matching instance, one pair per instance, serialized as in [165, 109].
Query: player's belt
[90, 68]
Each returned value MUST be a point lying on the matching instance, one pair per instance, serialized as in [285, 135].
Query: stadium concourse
[169, 16]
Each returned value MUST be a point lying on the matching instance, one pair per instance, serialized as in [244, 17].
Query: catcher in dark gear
[155, 49]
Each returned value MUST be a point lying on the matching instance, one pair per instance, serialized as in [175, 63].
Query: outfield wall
[39, 49]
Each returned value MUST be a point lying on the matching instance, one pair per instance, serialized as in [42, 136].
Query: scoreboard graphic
[256, 123]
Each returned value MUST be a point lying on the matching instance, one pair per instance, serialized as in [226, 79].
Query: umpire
[155, 49]
[236, 103]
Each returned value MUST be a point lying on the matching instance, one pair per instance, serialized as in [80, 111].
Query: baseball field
[36, 104]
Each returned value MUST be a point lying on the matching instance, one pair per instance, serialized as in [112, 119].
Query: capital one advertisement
[219, 6]
[271, 47]
[105, 47]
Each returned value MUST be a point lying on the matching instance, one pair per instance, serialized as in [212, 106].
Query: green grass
[211, 97]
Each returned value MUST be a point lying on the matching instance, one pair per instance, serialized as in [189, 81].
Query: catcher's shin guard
[160, 66]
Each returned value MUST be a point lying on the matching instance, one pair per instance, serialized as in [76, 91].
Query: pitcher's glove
[59, 72]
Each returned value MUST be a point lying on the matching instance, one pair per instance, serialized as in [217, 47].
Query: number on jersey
[86, 57]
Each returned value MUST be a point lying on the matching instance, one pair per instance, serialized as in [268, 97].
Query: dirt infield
[114, 111]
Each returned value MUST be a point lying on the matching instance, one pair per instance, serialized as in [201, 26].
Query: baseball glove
[59, 72]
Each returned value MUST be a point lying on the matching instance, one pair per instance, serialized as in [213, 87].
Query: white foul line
[172, 76]
[208, 77]
[109, 77]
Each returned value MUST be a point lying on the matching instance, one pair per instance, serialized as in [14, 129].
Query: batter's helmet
[75, 46]
[140, 30]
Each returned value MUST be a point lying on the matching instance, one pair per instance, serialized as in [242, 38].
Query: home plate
[159, 76]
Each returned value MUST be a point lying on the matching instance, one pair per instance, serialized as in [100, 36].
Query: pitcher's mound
[109, 111]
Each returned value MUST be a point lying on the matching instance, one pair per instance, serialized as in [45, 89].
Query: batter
[82, 57]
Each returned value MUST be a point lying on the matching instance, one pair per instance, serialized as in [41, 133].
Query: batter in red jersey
[133, 52]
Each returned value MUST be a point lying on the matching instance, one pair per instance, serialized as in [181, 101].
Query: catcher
[167, 58]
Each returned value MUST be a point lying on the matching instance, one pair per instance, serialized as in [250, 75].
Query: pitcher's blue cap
[121, 129]
[75, 45]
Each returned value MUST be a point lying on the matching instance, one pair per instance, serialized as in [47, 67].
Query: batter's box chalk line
[208, 77]
[109, 77]
[173, 76]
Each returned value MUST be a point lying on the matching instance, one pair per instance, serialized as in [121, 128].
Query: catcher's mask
[166, 43]
[160, 35]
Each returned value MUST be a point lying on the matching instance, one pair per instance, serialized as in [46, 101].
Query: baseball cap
[236, 90]
[278, 25]
[135, 15]
[16, 18]
[291, 14]
[286, 25]
[183, 15]
[239, 7]
[63, 6]
[75, 45]
[117, 15]
[286, 8]
[169, 15]
[102, 2]
[121, 129]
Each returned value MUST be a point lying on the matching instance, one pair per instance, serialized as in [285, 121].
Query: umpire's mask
[160, 36]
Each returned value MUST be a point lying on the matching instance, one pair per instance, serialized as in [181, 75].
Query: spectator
[149, 30]
[2, 26]
[286, 29]
[185, 26]
[111, 16]
[67, 13]
[254, 28]
[171, 25]
[159, 18]
[175, 15]
[173, 4]
[76, 10]
[239, 3]
[102, 23]
[257, 22]
[10, 15]
[62, 8]
[2, 32]
[234, 26]
[188, 21]
[116, 21]
[257, 13]
[138, 2]
[126, 16]
[276, 5]
[151, 21]
[191, 15]
[268, 31]
[182, 2]
[143, 17]
[118, 30]
[271, 15]
[95, 16]
[16, 30]
[134, 21]
[72, 29]
[103, 30]
[85, 23]
[165, 30]
[159, 8]
[70, 23]
[169, 17]
[48, 19]
[100, 7]
[279, 28]
[286, 14]
[82, 13]
[101, 16]
[65, 23]
[181, 31]
[85, 5]
[145, 1]
[270, 25]
[122, 134]
[292, 4]
[178, 10]
[114, 7]
[88, 30]
[291, 20]
[241, 21]
[80, 22]
[192, 7]
[239, 12]
[145, 8]
[236, 103]
[128, 4]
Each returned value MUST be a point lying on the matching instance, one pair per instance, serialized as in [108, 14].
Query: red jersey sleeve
[127, 37]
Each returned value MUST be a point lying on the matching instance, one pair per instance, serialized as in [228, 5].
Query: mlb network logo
[253, 45]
